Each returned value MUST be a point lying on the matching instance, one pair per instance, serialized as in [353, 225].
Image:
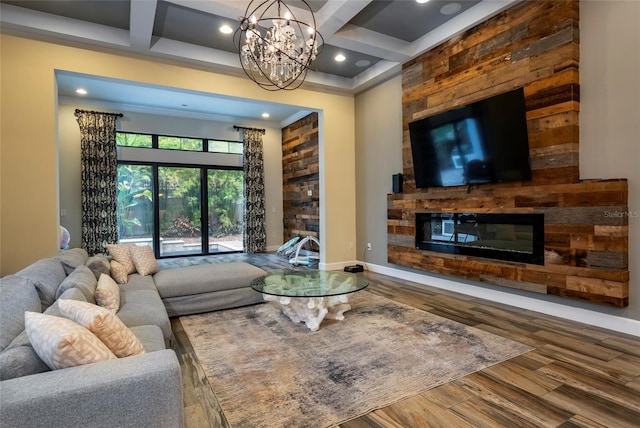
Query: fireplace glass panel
[512, 237]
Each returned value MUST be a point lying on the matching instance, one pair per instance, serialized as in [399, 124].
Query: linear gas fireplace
[511, 237]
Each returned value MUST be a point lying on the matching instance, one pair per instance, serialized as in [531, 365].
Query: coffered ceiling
[376, 37]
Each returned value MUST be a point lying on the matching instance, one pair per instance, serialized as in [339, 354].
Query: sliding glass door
[135, 204]
[225, 208]
[180, 210]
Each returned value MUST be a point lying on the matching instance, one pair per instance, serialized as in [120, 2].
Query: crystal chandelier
[276, 48]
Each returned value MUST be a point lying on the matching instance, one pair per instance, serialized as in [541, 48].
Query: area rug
[267, 371]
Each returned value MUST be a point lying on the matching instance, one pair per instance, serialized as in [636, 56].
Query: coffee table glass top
[309, 283]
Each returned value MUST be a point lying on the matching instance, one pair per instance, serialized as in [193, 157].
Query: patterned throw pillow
[62, 343]
[108, 293]
[121, 254]
[104, 324]
[119, 272]
[144, 260]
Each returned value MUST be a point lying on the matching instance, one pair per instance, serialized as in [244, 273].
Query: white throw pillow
[119, 272]
[61, 343]
[121, 254]
[143, 259]
[104, 324]
[108, 293]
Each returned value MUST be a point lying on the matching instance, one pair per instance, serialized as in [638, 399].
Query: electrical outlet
[310, 192]
[350, 244]
[368, 246]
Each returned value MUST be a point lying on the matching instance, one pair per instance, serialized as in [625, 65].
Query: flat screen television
[482, 142]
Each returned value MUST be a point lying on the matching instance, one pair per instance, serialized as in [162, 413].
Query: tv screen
[483, 142]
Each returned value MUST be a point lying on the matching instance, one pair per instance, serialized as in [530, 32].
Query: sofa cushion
[205, 278]
[83, 279]
[99, 264]
[104, 324]
[20, 359]
[70, 294]
[150, 336]
[46, 275]
[17, 295]
[138, 282]
[143, 307]
[72, 258]
[108, 293]
[62, 343]
[143, 259]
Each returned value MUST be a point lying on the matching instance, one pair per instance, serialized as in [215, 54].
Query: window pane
[218, 146]
[178, 143]
[135, 204]
[180, 210]
[226, 209]
[235, 148]
[133, 140]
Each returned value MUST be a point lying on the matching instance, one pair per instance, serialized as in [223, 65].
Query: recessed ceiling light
[363, 63]
[265, 115]
[450, 8]
[421, 1]
[340, 58]
[226, 29]
[81, 91]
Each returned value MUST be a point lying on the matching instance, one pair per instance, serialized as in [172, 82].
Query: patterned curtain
[99, 175]
[255, 235]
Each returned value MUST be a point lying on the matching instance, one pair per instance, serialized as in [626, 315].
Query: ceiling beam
[371, 43]
[142, 18]
[336, 13]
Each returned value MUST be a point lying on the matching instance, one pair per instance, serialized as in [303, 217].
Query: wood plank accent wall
[534, 45]
[300, 174]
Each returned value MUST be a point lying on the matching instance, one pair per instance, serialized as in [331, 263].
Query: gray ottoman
[205, 288]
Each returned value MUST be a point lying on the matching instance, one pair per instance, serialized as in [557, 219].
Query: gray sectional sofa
[137, 391]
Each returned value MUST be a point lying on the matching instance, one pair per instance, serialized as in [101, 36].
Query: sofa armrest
[139, 391]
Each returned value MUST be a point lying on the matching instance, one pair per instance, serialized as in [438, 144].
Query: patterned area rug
[269, 372]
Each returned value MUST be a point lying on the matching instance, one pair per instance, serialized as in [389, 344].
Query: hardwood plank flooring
[578, 376]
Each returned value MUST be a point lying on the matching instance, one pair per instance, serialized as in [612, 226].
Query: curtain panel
[99, 177]
[255, 235]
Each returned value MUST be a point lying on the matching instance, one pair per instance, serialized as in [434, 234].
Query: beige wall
[29, 214]
[379, 149]
[609, 129]
[69, 151]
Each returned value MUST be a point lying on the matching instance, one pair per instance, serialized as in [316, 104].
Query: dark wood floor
[577, 376]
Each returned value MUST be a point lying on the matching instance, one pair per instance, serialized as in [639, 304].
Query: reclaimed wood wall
[300, 175]
[534, 45]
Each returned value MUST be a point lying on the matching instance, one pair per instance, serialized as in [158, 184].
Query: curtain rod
[250, 129]
[98, 112]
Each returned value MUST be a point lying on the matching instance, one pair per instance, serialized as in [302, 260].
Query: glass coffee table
[310, 296]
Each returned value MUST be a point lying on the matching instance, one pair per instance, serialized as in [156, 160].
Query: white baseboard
[336, 265]
[586, 316]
